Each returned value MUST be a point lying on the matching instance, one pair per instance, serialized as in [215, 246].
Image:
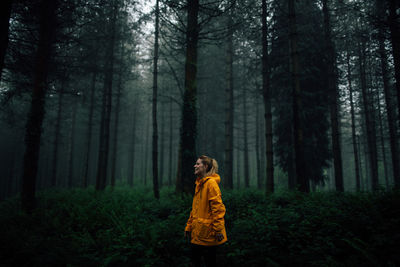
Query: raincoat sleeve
[217, 207]
[188, 227]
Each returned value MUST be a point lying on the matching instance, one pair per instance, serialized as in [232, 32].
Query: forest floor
[128, 227]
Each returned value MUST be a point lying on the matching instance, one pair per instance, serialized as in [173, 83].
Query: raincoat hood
[214, 176]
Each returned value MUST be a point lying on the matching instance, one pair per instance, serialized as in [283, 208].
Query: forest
[105, 106]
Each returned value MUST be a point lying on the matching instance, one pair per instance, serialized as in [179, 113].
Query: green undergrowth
[128, 227]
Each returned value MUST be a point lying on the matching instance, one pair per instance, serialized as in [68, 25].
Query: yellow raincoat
[207, 215]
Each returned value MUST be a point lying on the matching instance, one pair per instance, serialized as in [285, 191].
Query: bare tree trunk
[267, 98]
[228, 164]
[116, 126]
[257, 147]
[238, 169]
[171, 129]
[53, 182]
[89, 129]
[162, 145]
[395, 39]
[189, 113]
[131, 162]
[101, 179]
[246, 145]
[146, 153]
[369, 119]
[155, 88]
[301, 178]
[333, 100]
[390, 110]
[72, 146]
[5, 13]
[385, 166]
[353, 127]
[47, 29]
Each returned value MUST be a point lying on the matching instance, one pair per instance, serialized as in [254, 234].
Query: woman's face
[199, 168]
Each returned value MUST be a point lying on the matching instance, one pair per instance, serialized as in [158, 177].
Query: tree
[187, 146]
[302, 179]
[47, 29]
[333, 99]
[395, 40]
[5, 14]
[390, 111]
[267, 102]
[229, 107]
[106, 102]
[369, 114]
[155, 87]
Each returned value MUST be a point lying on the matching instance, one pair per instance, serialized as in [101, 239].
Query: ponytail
[212, 165]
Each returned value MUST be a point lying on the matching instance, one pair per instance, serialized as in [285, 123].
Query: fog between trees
[283, 94]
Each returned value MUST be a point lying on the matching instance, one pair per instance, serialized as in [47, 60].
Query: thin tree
[390, 111]
[267, 102]
[257, 145]
[106, 104]
[333, 99]
[47, 29]
[5, 13]
[228, 163]
[89, 128]
[246, 143]
[57, 134]
[353, 127]
[382, 140]
[131, 157]
[369, 117]
[394, 27]
[116, 121]
[71, 168]
[155, 129]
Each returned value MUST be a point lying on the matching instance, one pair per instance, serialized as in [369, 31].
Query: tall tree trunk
[380, 121]
[33, 132]
[395, 39]
[116, 125]
[353, 127]
[162, 145]
[257, 146]
[101, 178]
[89, 129]
[390, 110]
[301, 178]
[360, 161]
[188, 131]
[53, 182]
[238, 169]
[72, 146]
[267, 97]
[155, 127]
[5, 13]
[131, 162]
[171, 129]
[245, 145]
[146, 153]
[333, 100]
[369, 119]
[228, 163]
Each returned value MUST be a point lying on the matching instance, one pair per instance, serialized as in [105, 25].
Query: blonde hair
[212, 165]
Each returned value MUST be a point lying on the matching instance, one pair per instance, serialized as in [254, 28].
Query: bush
[128, 227]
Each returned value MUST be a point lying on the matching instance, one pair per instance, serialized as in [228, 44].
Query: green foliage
[128, 227]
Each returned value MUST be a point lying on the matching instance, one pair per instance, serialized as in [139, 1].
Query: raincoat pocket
[205, 231]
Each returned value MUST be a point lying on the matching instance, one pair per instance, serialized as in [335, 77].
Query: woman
[206, 224]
